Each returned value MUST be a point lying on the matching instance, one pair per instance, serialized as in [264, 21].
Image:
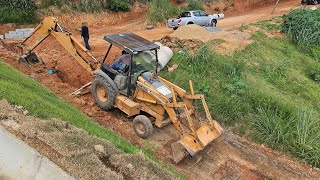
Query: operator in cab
[122, 63]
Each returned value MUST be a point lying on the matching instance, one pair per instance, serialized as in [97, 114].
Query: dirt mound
[192, 31]
[177, 44]
[75, 151]
[231, 41]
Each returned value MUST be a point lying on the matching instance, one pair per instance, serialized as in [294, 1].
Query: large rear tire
[142, 126]
[103, 93]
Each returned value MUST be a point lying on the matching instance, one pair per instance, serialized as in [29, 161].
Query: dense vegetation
[17, 11]
[163, 9]
[269, 92]
[24, 11]
[302, 27]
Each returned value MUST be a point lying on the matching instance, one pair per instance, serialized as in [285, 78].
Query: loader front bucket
[194, 143]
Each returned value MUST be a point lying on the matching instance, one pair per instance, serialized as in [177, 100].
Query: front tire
[103, 93]
[142, 126]
[175, 28]
[213, 23]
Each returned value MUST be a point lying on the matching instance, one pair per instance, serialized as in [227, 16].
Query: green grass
[268, 92]
[17, 11]
[258, 36]
[270, 25]
[20, 89]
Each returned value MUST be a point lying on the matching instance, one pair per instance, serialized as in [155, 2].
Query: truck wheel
[213, 22]
[142, 126]
[175, 28]
[103, 93]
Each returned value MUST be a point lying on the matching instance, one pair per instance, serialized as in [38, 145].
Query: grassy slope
[22, 90]
[19, 89]
[263, 92]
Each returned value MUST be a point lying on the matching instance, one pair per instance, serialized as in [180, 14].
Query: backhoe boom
[49, 26]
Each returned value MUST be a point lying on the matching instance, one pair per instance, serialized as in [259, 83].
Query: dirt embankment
[81, 155]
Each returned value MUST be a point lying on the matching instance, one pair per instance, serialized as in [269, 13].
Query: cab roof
[131, 42]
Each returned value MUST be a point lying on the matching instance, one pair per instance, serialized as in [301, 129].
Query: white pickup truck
[194, 17]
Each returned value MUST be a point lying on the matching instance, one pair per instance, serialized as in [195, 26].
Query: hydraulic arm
[50, 26]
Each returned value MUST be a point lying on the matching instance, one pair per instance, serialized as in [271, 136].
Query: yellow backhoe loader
[132, 84]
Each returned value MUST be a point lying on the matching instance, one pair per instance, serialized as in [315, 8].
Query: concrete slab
[19, 161]
[213, 29]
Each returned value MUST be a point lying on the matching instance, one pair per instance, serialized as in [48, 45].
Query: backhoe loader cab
[132, 84]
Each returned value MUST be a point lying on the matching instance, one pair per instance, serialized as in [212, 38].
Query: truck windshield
[144, 61]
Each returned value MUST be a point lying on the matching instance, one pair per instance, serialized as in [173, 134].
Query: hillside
[259, 85]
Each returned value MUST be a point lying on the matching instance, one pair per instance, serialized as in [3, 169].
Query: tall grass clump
[17, 11]
[298, 133]
[302, 26]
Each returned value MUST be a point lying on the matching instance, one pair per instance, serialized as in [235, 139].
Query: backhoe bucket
[194, 143]
[29, 59]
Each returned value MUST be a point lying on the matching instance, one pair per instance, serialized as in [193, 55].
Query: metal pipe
[130, 74]
[157, 64]
[105, 57]
[60, 27]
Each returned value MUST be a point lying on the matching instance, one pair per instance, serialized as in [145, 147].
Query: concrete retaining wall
[19, 33]
[19, 161]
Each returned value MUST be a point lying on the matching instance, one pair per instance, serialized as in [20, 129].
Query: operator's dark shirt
[85, 31]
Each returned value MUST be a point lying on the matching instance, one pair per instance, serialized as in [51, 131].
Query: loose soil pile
[81, 155]
[192, 31]
[177, 44]
[231, 41]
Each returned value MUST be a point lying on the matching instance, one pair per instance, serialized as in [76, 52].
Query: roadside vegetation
[268, 92]
[25, 11]
[20, 89]
[302, 28]
[17, 11]
[162, 10]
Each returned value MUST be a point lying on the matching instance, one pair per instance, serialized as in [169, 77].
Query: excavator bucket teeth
[29, 59]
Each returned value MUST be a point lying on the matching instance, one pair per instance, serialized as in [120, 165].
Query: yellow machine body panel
[126, 105]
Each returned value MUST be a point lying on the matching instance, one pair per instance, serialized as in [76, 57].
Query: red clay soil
[228, 157]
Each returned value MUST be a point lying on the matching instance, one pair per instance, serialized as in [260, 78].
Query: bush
[48, 3]
[118, 5]
[94, 5]
[17, 11]
[302, 26]
[195, 4]
[160, 10]
[163, 9]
